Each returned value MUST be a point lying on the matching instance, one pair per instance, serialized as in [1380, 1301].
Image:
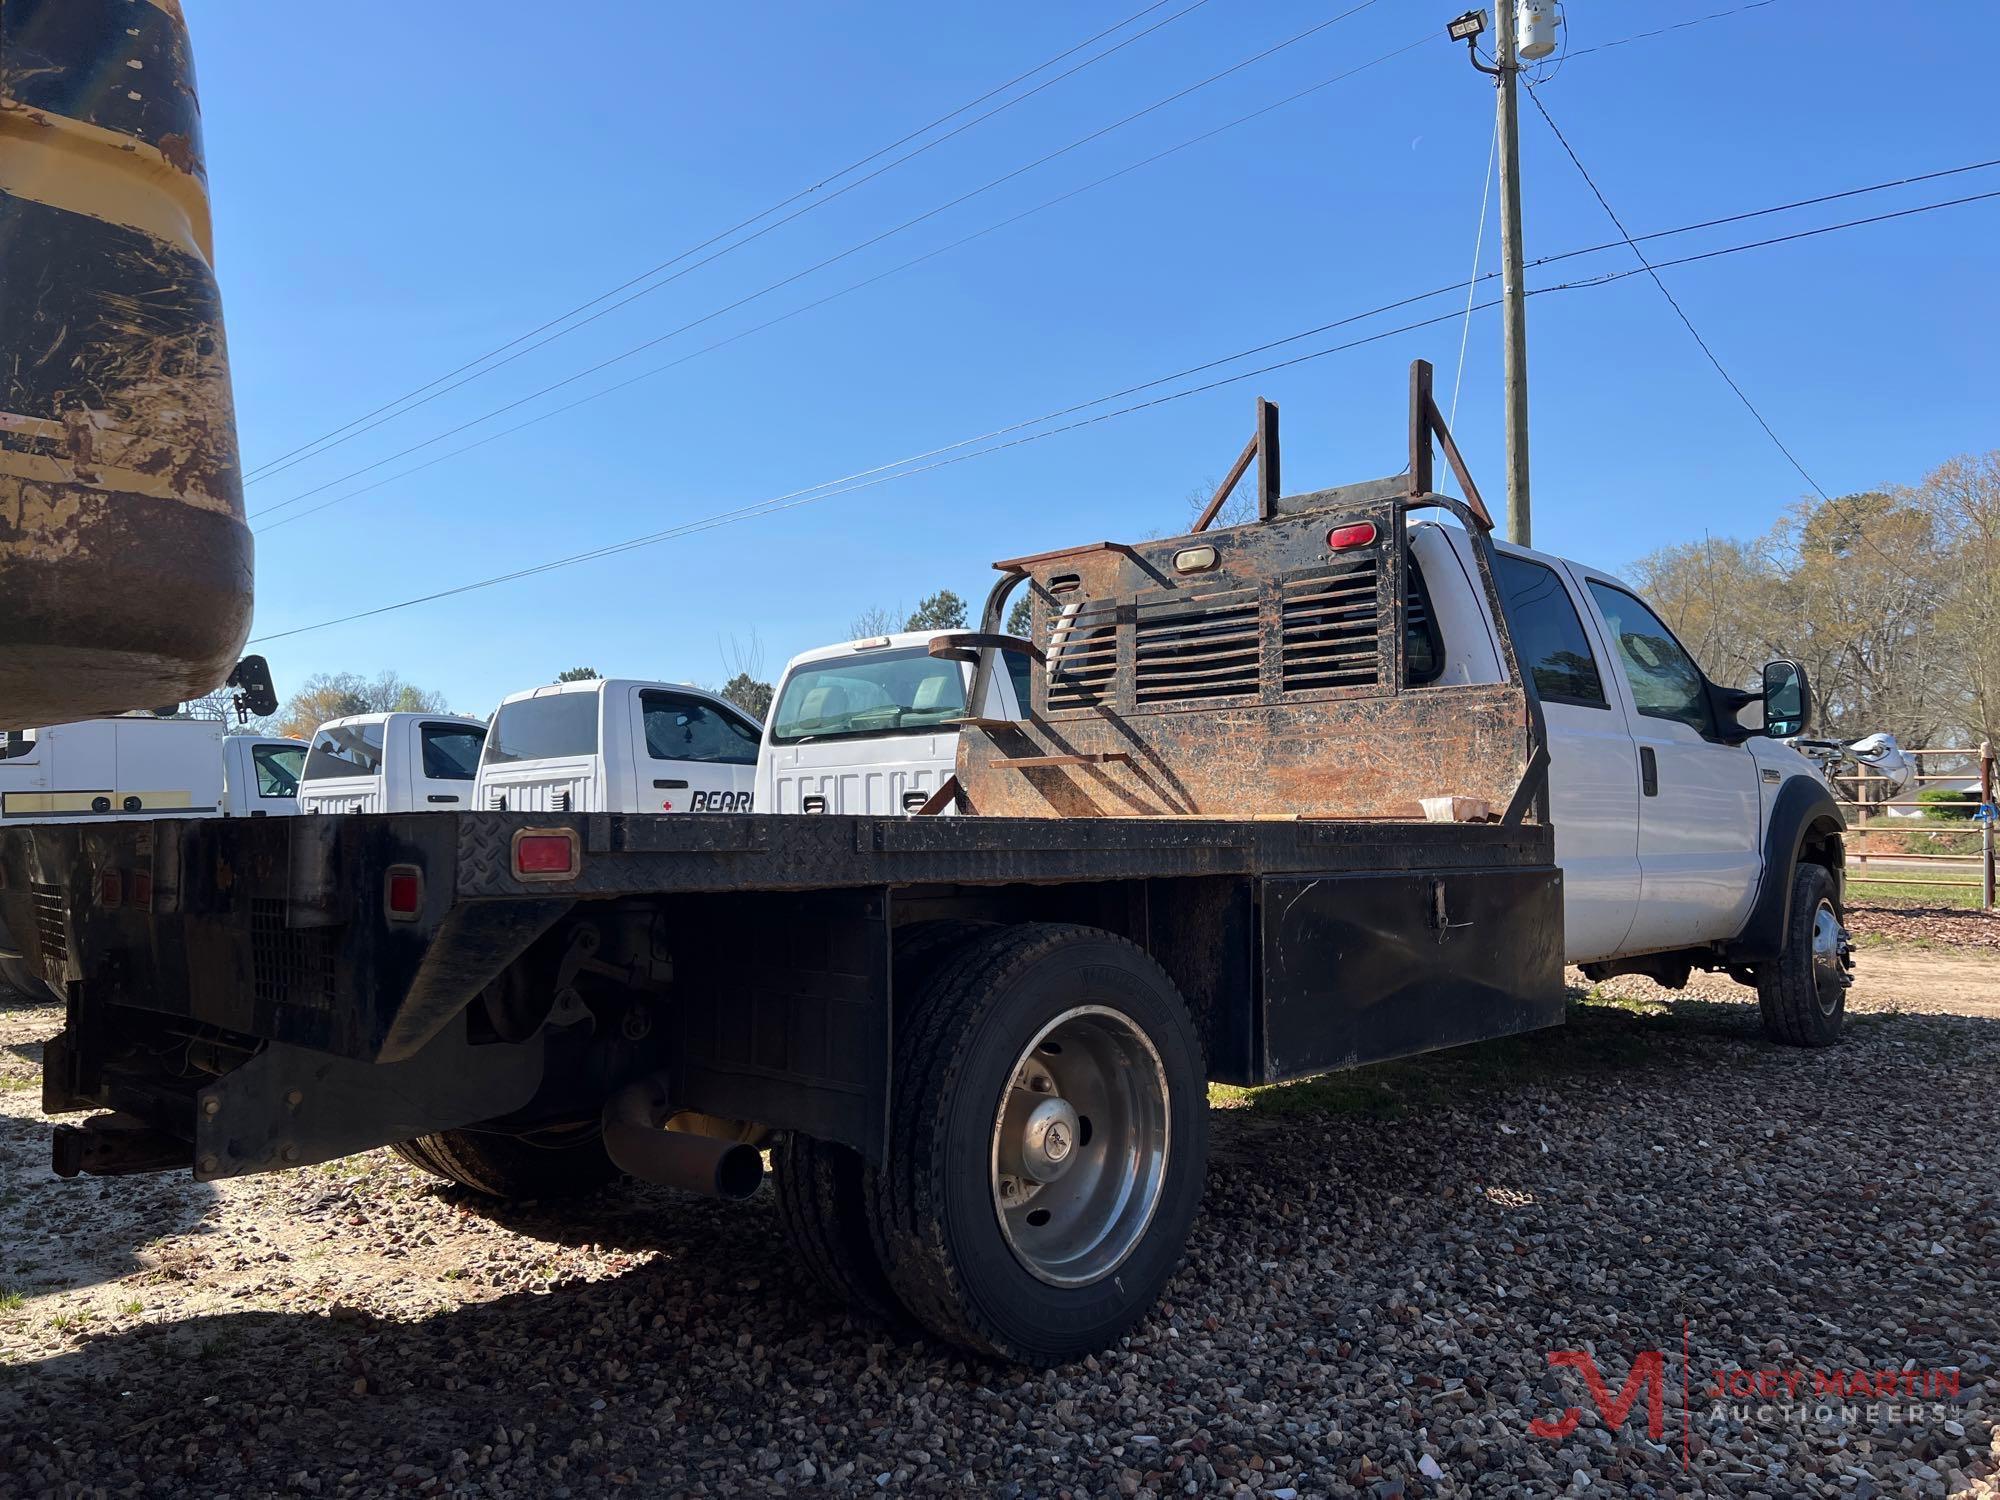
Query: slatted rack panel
[1196, 645]
[1330, 629]
[1083, 655]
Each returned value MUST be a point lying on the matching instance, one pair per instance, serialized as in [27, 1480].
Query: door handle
[670, 786]
[1649, 771]
[441, 797]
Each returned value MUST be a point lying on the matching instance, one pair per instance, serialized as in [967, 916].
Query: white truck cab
[618, 744]
[869, 726]
[260, 775]
[144, 766]
[1664, 787]
[392, 762]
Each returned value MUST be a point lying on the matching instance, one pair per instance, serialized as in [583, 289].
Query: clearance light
[403, 893]
[546, 854]
[1344, 538]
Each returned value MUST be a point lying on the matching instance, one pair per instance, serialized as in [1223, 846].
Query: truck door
[1700, 822]
[694, 754]
[1593, 794]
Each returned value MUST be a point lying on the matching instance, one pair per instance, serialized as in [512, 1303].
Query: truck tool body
[1280, 803]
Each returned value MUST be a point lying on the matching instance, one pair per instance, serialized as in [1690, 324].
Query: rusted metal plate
[124, 559]
[1269, 683]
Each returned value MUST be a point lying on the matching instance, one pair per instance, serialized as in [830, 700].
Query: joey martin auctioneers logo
[1797, 1396]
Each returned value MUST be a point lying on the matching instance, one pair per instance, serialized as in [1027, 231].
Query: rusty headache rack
[1253, 671]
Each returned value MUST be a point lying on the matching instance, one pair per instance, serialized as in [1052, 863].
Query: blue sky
[402, 190]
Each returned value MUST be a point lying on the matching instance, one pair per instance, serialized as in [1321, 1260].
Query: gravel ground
[1924, 926]
[1385, 1263]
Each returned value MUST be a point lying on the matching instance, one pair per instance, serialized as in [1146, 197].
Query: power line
[1006, 177]
[271, 466]
[1467, 286]
[1478, 243]
[1679, 312]
[938, 458]
[879, 276]
[1663, 30]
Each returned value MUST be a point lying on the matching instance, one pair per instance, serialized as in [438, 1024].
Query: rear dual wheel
[1048, 1141]
[505, 1167]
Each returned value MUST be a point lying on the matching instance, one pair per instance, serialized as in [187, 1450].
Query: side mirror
[255, 693]
[1787, 699]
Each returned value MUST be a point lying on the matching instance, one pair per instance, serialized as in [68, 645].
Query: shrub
[1943, 805]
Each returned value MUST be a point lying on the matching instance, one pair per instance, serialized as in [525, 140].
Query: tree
[334, 695]
[1962, 497]
[578, 674]
[747, 688]
[748, 694]
[1721, 597]
[1862, 604]
[872, 622]
[943, 610]
[1890, 598]
[1021, 618]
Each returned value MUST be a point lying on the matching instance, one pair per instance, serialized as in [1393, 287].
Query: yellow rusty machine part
[124, 559]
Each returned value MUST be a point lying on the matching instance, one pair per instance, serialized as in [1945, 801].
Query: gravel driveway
[1386, 1263]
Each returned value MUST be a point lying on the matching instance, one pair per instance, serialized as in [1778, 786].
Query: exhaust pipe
[638, 1144]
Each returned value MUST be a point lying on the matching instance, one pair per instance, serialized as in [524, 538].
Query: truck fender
[1805, 824]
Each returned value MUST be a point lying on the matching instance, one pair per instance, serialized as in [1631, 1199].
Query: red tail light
[403, 893]
[546, 854]
[1359, 534]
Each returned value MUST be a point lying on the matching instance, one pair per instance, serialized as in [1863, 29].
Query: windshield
[278, 768]
[887, 692]
[554, 726]
[345, 750]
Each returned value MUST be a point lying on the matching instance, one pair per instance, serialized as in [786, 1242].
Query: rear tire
[1803, 993]
[508, 1168]
[821, 1186]
[822, 1206]
[1048, 1141]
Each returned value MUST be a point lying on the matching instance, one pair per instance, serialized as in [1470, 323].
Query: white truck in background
[618, 744]
[143, 765]
[392, 762]
[870, 726]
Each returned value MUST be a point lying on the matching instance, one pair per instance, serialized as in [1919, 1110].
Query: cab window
[1021, 672]
[1548, 634]
[345, 750]
[1423, 646]
[451, 751]
[277, 769]
[679, 727]
[1666, 684]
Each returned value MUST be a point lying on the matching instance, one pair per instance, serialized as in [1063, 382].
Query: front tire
[1803, 993]
[1049, 1133]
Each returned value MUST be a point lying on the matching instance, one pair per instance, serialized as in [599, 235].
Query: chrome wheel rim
[1829, 958]
[1080, 1138]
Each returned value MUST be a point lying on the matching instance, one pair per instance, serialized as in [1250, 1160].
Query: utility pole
[1514, 306]
[1514, 293]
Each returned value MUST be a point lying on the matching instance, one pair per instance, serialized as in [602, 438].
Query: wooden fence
[1899, 839]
